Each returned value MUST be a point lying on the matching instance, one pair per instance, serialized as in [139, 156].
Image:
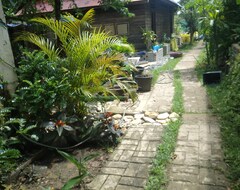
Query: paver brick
[153, 146]
[191, 162]
[193, 136]
[126, 187]
[116, 155]
[127, 141]
[127, 155]
[136, 135]
[207, 176]
[151, 136]
[127, 147]
[141, 160]
[193, 150]
[184, 177]
[142, 146]
[173, 185]
[145, 154]
[97, 183]
[182, 135]
[185, 169]
[137, 170]
[113, 171]
[132, 169]
[179, 157]
[117, 164]
[187, 143]
[111, 182]
[133, 181]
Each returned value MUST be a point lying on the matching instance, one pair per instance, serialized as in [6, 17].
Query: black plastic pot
[212, 77]
[176, 54]
[144, 82]
[139, 71]
[117, 91]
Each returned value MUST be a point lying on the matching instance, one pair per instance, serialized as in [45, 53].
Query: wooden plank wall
[164, 21]
[142, 19]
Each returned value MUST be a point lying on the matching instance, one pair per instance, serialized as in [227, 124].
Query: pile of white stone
[155, 118]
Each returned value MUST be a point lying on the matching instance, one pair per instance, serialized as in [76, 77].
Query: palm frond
[45, 45]
[87, 19]
[56, 26]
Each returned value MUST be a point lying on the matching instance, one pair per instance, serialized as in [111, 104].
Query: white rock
[157, 124]
[117, 116]
[139, 116]
[151, 114]
[162, 121]
[128, 117]
[137, 122]
[163, 116]
[173, 115]
[168, 120]
[174, 119]
[147, 124]
[127, 120]
[99, 107]
[115, 122]
[165, 125]
[149, 120]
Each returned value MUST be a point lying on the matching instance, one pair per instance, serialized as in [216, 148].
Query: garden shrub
[8, 154]
[57, 83]
[42, 88]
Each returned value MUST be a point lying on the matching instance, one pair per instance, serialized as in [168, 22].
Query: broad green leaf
[69, 157]
[72, 182]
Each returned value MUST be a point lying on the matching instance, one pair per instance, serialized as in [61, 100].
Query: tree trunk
[7, 66]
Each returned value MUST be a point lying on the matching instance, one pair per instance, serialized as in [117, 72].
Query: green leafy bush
[43, 87]
[57, 83]
[8, 155]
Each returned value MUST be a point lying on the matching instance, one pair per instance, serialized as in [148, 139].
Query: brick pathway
[128, 166]
[199, 159]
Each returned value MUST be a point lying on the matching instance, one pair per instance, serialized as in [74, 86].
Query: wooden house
[155, 15]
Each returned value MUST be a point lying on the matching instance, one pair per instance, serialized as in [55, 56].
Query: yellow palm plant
[90, 64]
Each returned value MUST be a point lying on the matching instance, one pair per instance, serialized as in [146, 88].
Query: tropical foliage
[56, 83]
[217, 22]
[8, 154]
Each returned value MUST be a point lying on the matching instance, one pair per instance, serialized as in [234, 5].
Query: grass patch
[178, 94]
[169, 66]
[158, 175]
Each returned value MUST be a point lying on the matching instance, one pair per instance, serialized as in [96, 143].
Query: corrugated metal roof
[44, 6]
[69, 4]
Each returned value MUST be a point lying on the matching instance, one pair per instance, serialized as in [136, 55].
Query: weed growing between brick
[158, 174]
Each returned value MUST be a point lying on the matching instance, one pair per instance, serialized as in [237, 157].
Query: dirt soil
[52, 171]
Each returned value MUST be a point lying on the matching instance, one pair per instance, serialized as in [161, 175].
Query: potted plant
[149, 37]
[144, 81]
